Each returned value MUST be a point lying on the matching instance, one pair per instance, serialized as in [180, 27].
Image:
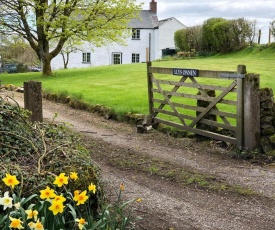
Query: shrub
[38, 152]
[42, 158]
[187, 54]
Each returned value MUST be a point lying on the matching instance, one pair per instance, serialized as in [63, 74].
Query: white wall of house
[167, 29]
[103, 55]
[155, 46]
[154, 37]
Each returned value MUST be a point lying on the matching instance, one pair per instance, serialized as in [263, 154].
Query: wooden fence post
[252, 128]
[150, 86]
[148, 120]
[241, 69]
[33, 100]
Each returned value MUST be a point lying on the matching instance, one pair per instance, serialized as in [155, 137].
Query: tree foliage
[72, 45]
[209, 41]
[48, 24]
[272, 27]
[217, 35]
[14, 49]
[180, 38]
[188, 39]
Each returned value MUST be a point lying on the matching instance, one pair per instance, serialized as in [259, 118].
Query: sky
[195, 12]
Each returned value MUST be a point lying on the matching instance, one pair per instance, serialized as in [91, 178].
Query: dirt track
[166, 203]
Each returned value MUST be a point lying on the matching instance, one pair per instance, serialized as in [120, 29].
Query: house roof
[169, 19]
[146, 20]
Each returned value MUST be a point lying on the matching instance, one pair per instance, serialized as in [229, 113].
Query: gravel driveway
[166, 203]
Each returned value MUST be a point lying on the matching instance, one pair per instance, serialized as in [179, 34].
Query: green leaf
[3, 219]
[73, 212]
[24, 201]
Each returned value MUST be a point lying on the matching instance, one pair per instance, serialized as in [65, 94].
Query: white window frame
[114, 58]
[135, 57]
[136, 34]
[86, 57]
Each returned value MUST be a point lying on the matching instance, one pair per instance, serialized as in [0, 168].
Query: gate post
[241, 69]
[33, 100]
[252, 128]
[150, 86]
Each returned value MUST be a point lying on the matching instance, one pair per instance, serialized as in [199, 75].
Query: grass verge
[124, 87]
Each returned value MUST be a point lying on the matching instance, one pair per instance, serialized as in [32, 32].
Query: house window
[135, 58]
[135, 34]
[117, 58]
[86, 57]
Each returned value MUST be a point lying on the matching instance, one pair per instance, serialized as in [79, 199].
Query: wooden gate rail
[246, 86]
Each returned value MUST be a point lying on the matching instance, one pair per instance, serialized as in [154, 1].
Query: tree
[221, 35]
[272, 27]
[188, 38]
[221, 31]
[209, 41]
[194, 37]
[72, 45]
[14, 49]
[180, 39]
[245, 31]
[251, 33]
[48, 24]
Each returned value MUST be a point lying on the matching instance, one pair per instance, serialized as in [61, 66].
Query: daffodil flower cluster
[49, 204]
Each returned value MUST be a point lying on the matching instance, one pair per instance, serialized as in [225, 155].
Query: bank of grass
[124, 87]
[121, 87]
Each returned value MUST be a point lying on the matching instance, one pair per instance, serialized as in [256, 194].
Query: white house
[151, 39]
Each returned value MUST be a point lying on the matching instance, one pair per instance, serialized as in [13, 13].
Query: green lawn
[124, 87]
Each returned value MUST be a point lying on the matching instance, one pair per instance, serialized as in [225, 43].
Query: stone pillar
[33, 100]
[267, 120]
[252, 131]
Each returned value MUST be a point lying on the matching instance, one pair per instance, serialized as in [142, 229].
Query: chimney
[153, 7]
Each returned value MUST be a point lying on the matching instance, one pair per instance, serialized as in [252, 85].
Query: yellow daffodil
[10, 180]
[81, 198]
[121, 187]
[16, 223]
[81, 222]
[6, 201]
[38, 226]
[76, 194]
[92, 188]
[61, 179]
[73, 176]
[31, 225]
[59, 198]
[47, 193]
[32, 214]
[56, 207]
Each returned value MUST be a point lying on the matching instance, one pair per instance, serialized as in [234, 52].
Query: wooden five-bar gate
[187, 99]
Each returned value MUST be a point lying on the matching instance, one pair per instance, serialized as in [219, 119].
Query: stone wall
[267, 120]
